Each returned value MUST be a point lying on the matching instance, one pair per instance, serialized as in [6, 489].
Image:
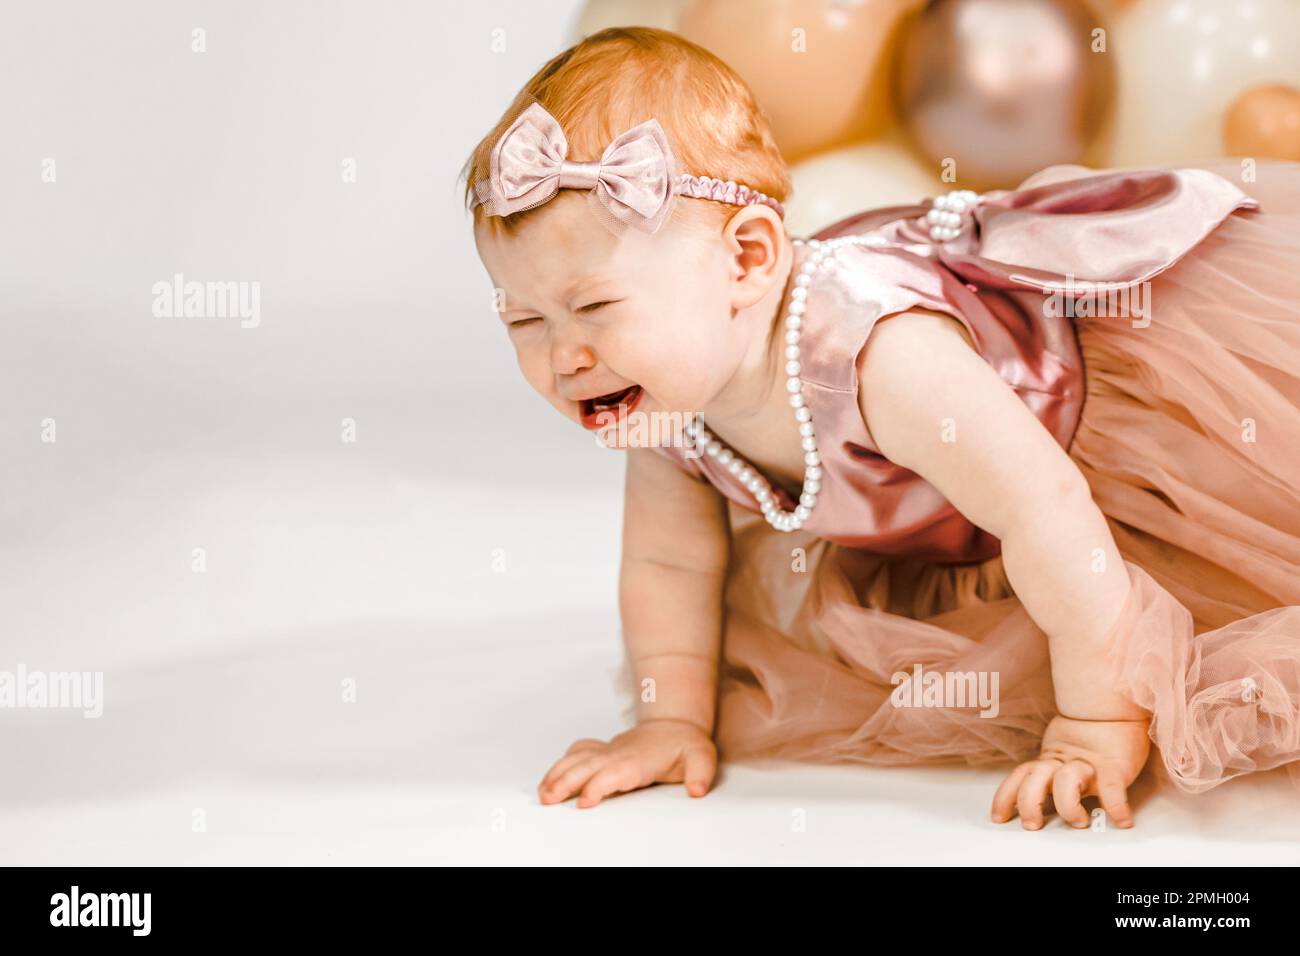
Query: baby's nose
[568, 357]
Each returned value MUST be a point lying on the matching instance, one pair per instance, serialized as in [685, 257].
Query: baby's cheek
[687, 384]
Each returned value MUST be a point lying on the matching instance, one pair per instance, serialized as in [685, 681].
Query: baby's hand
[654, 751]
[1078, 758]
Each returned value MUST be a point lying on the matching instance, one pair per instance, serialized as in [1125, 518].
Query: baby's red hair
[622, 76]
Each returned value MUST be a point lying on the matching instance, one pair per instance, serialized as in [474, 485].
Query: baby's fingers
[570, 780]
[1004, 801]
[614, 778]
[1068, 787]
[585, 745]
[701, 768]
[1033, 793]
[558, 769]
[1114, 799]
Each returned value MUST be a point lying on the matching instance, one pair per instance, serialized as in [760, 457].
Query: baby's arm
[676, 545]
[1007, 474]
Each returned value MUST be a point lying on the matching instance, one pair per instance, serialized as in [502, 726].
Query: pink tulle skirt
[1190, 441]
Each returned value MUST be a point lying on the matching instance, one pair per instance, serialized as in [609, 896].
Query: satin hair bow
[633, 178]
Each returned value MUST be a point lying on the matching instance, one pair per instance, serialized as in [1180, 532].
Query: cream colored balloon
[853, 179]
[818, 68]
[1181, 62]
[597, 15]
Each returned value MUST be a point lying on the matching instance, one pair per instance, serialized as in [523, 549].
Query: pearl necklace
[946, 219]
[700, 437]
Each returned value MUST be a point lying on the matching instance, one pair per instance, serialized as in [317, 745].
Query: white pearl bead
[750, 478]
[947, 213]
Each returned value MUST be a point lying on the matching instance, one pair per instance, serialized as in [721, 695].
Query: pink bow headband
[635, 179]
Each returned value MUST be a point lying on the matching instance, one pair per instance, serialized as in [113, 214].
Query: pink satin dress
[1183, 415]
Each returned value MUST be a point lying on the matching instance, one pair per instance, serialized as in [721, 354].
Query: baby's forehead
[552, 256]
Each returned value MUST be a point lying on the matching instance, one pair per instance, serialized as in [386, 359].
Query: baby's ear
[757, 239]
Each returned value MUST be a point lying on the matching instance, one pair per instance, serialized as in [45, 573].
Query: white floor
[223, 700]
[225, 737]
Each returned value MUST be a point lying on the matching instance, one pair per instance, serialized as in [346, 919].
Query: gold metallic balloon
[1264, 121]
[818, 68]
[991, 90]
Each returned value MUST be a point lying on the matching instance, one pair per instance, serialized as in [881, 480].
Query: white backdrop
[128, 157]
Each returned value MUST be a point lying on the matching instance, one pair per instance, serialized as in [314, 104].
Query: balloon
[1264, 121]
[1001, 88]
[1108, 7]
[1181, 62]
[853, 179]
[599, 14]
[819, 69]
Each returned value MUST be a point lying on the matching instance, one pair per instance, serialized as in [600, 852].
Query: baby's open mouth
[610, 401]
[617, 403]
